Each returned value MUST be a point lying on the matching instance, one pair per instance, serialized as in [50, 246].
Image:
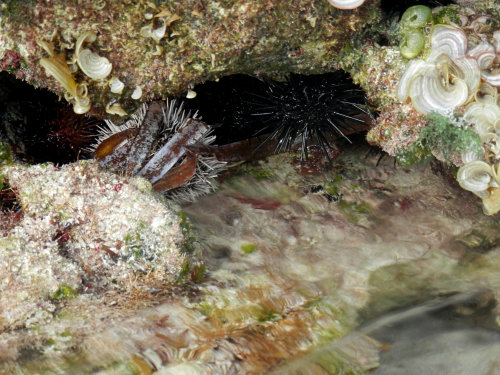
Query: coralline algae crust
[84, 233]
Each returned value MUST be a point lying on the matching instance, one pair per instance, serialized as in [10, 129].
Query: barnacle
[154, 144]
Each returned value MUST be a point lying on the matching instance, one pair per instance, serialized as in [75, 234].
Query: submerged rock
[89, 245]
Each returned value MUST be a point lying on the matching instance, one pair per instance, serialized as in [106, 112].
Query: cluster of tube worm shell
[155, 144]
[98, 68]
[460, 77]
[92, 65]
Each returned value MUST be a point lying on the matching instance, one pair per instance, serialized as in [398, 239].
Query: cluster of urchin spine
[174, 118]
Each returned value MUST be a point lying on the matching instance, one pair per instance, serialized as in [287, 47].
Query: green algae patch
[414, 154]
[258, 173]
[267, 315]
[248, 248]
[446, 15]
[5, 153]
[64, 292]
[189, 244]
[442, 138]
[355, 211]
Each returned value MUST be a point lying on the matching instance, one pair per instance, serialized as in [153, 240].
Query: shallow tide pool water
[314, 268]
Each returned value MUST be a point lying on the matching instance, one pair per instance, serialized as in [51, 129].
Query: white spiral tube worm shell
[484, 53]
[93, 65]
[483, 116]
[463, 68]
[470, 156]
[404, 83]
[486, 94]
[448, 40]
[346, 4]
[429, 94]
[493, 78]
[475, 177]
[496, 40]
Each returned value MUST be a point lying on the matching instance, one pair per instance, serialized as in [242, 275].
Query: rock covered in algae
[164, 48]
[89, 246]
[439, 96]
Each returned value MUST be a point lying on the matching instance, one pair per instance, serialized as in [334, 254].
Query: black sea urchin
[310, 109]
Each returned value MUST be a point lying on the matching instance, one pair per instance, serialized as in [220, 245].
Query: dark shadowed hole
[39, 127]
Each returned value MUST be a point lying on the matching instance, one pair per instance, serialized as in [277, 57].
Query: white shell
[475, 177]
[469, 156]
[448, 40]
[137, 93]
[93, 65]
[464, 68]
[484, 53]
[404, 83]
[428, 94]
[191, 94]
[483, 116]
[480, 24]
[346, 4]
[496, 40]
[80, 108]
[146, 31]
[116, 86]
[492, 78]
[486, 94]
[159, 32]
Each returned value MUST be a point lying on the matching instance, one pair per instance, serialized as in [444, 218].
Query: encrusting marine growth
[459, 79]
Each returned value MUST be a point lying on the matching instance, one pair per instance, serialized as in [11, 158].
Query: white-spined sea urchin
[152, 144]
